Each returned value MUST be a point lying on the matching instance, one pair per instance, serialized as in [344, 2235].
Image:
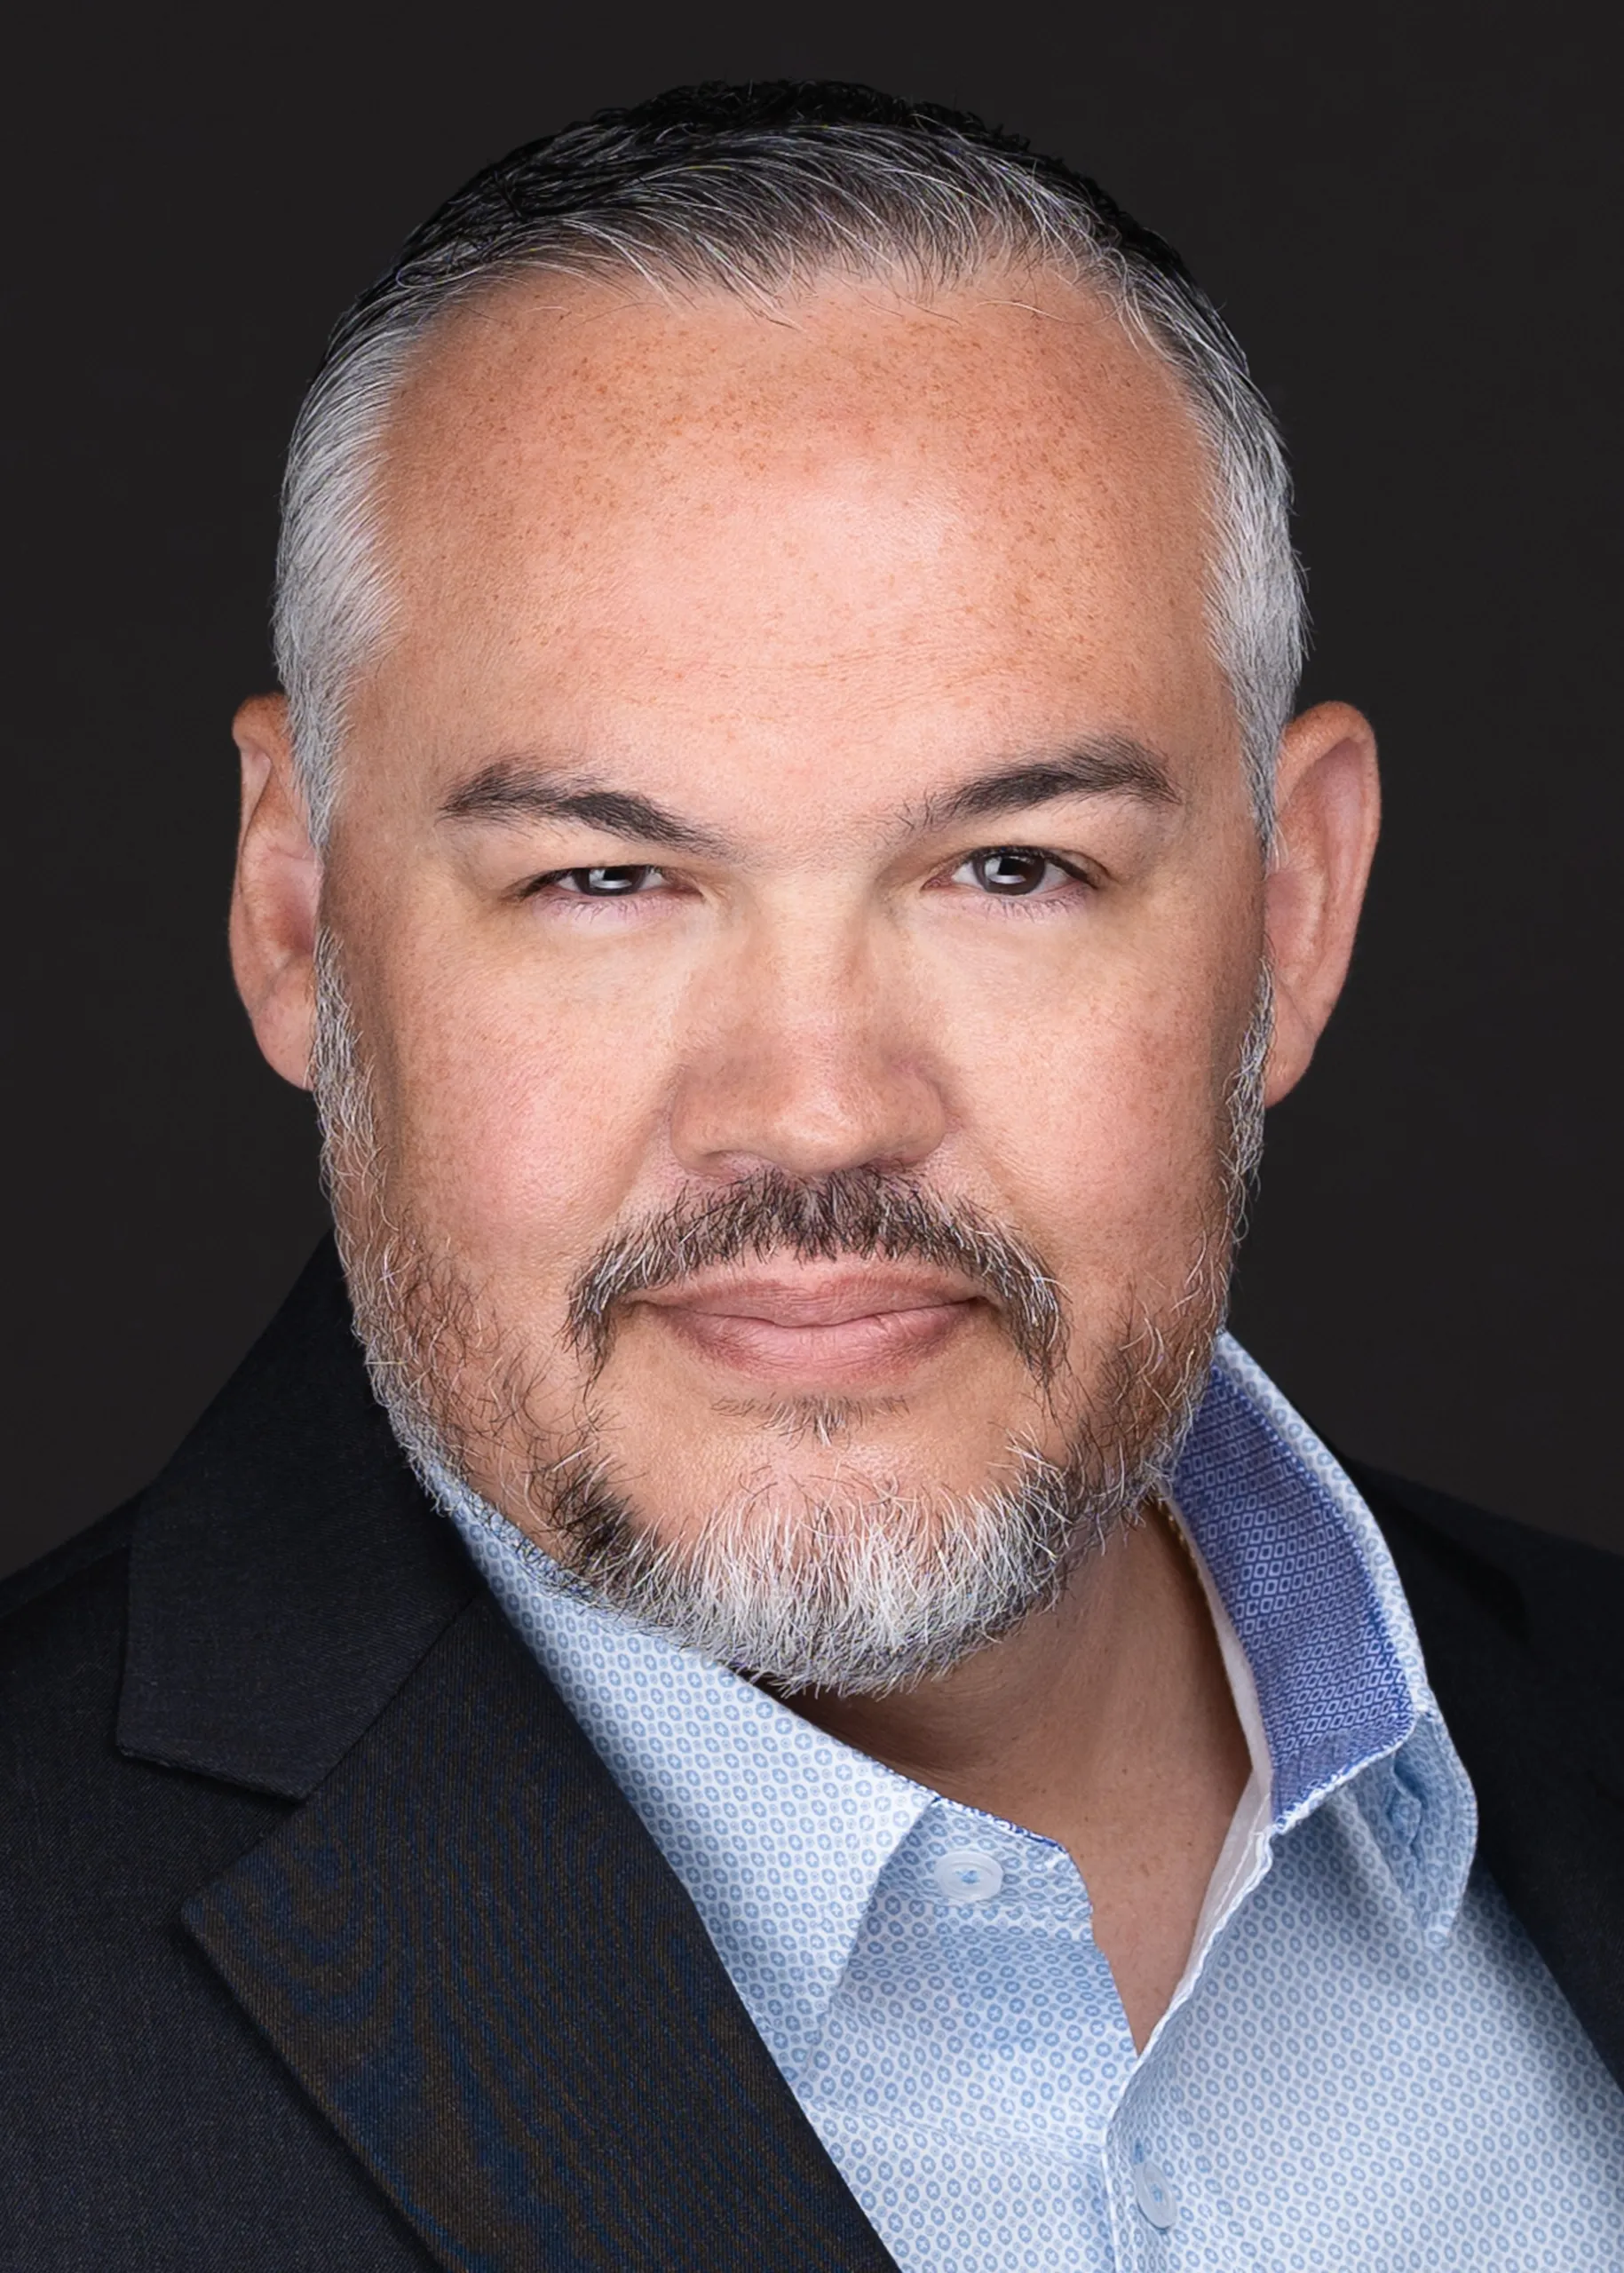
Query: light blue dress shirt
[1365, 2064]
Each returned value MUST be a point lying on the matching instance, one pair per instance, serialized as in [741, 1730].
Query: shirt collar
[1297, 1562]
[1302, 1568]
[778, 1831]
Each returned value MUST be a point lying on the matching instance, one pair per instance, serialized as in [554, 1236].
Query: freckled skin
[789, 577]
[922, 595]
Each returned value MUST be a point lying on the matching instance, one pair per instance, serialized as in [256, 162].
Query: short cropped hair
[764, 191]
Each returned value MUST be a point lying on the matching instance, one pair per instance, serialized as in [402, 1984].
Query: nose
[810, 1056]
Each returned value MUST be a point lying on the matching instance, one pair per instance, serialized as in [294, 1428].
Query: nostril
[802, 1116]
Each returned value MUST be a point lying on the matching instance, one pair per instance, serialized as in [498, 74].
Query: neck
[1105, 1724]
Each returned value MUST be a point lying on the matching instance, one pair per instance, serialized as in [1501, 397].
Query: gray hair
[760, 192]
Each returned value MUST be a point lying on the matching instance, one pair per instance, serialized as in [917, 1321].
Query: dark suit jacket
[326, 1941]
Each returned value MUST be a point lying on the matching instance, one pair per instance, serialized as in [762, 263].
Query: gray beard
[857, 1593]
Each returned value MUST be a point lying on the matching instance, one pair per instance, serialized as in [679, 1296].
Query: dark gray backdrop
[1406, 213]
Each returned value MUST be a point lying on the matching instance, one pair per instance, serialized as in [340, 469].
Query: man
[804, 1707]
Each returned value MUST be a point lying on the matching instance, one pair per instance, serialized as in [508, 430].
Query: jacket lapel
[462, 1943]
[470, 1954]
[286, 1573]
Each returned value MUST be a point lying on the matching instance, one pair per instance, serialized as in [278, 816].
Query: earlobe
[276, 899]
[1329, 815]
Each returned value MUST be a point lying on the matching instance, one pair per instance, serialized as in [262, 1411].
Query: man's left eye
[1014, 872]
[604, 883]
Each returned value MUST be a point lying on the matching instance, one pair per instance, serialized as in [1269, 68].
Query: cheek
[517, 1126]
[1101, 1113]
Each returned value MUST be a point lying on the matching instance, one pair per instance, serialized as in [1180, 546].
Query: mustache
[868, 1214]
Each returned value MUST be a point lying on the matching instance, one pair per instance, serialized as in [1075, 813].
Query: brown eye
[605, 883]
[1012, 872]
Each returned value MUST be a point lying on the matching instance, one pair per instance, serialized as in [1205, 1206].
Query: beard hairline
[865, 1593]
[1070, 1505]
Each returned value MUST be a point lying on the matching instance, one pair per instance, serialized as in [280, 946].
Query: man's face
[797, 777]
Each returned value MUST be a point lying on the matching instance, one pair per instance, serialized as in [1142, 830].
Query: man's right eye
[600, 884]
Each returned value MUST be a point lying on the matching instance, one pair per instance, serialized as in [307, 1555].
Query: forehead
[592, 492]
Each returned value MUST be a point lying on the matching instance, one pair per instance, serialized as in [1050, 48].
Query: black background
[1406, 213]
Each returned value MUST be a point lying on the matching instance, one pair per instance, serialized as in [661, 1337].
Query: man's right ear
[276, 899]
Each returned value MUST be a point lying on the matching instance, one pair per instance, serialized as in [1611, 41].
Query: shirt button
[967, 1875]
[1153, 2195]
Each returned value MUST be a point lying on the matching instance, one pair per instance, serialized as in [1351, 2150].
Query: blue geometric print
[1299, 1588]
[1367, 2064]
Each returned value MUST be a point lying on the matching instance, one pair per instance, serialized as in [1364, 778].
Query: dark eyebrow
[519, 789]
[1111, 767]
[515, 790]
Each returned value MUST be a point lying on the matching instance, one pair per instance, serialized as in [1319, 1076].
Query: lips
[817, 1328]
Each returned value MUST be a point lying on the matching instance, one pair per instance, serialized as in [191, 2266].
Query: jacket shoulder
[62, 1627]
[61, 1563]
[1556, 1601]
[139, 2101]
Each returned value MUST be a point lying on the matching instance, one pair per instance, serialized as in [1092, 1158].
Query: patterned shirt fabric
[1365, 2063]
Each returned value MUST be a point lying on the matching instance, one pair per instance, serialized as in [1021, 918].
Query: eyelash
[989, 853]
[557, 877]
[554, 881]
